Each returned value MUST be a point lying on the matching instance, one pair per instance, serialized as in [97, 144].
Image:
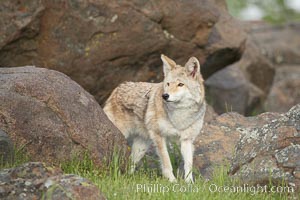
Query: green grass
[147, 183]
[19, 158]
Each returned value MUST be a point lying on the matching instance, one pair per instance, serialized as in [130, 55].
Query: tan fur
[139, 111]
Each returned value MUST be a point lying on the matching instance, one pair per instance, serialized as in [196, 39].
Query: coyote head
[182, 85]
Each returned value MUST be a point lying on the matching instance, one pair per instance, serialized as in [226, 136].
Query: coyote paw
[189, 179]
[169, 175]
[172, 180]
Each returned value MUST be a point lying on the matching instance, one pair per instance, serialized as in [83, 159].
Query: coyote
[153, 112]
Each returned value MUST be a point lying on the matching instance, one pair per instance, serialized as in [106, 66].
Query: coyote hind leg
[139, 148]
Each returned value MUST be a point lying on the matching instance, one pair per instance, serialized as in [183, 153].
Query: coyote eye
[180, 84]
[168, 84]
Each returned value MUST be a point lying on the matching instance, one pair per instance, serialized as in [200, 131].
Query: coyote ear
[168, 64]
[193, 66]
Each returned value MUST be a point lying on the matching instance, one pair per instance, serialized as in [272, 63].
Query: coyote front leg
[162, 151]
[187, 150]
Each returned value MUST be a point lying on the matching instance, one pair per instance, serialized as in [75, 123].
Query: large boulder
[36, 180]
[102, 43]
[258, 69]
[54, 118]
[280, 44]
[269, 153]
[249, 86]
[229, 90]
[285, 91]
[244, 85]
[214, 146]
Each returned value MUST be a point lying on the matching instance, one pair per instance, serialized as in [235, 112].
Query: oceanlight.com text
[213, 188]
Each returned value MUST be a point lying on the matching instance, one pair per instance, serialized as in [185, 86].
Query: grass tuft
[19, 157]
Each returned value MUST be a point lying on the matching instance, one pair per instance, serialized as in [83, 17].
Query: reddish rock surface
[100, 44]
[55, 119]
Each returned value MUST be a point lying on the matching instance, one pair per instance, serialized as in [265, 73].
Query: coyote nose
[165, 96]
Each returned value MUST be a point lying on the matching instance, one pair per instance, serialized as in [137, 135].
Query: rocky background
[249, 68]
[100, 44]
